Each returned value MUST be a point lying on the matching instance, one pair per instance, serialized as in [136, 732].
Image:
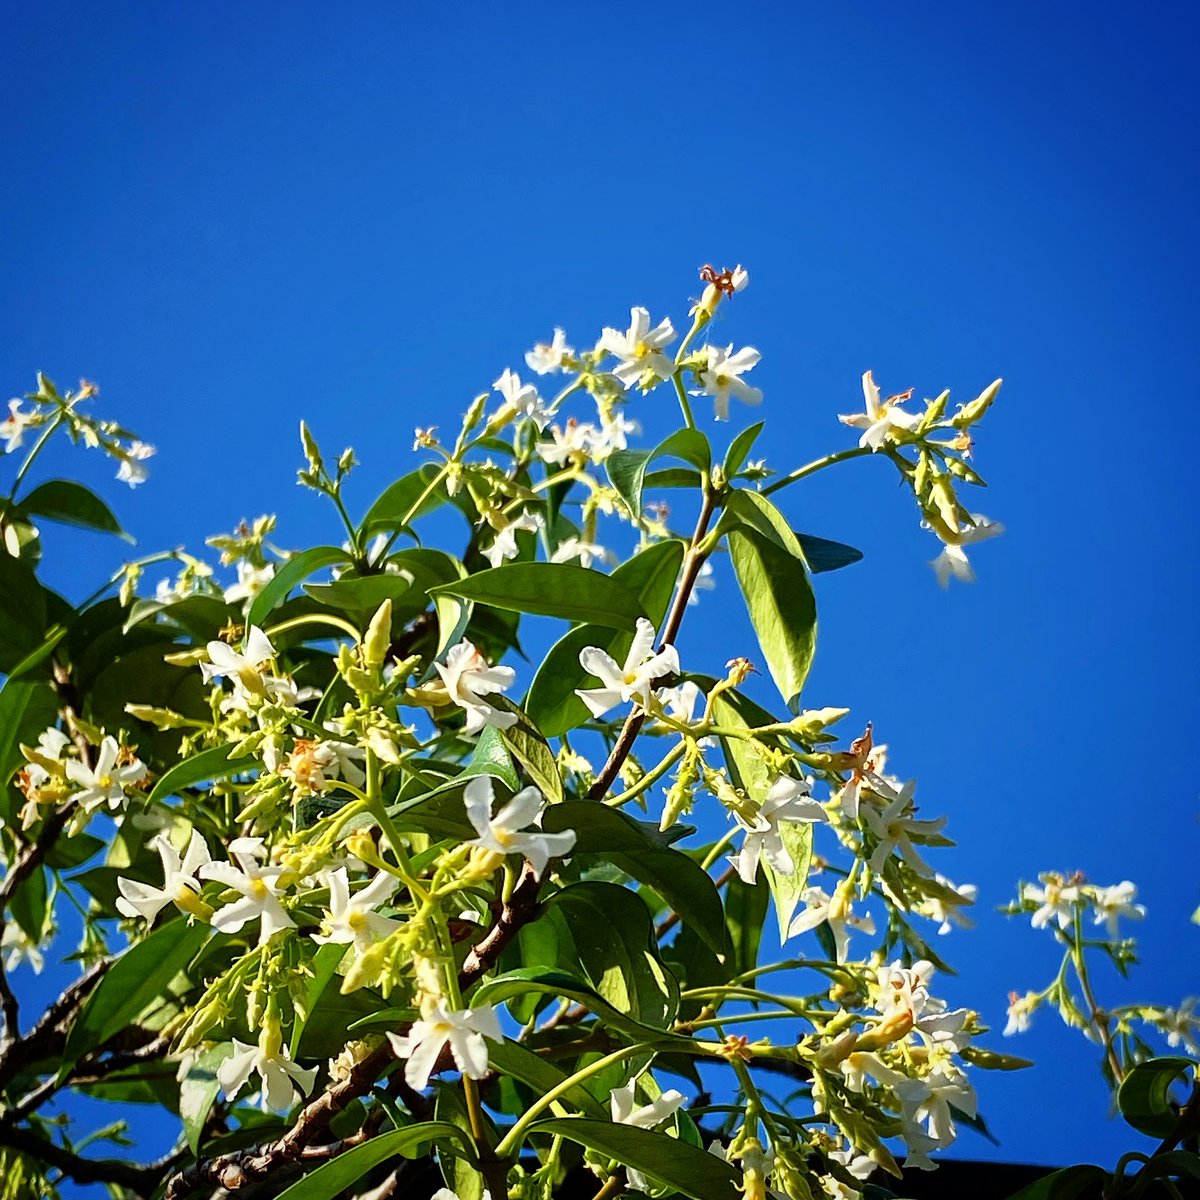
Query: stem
[817, 465]
[612, 1187]
[511, 1142]
[35, 450]
[1099, 1020]
[684, 403]
[316, 619]
[650, 778]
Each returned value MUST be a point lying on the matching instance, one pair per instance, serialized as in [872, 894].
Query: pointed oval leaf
[71, 503]
[402, 501]
[552, 590]
[210, 764]
[1145, 1094]
[293, 572]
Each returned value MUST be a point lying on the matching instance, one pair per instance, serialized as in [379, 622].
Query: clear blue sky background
[231, 219]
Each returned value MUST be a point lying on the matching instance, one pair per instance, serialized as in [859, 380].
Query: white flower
[311, 764]
[1112, 903]
[346, 758]
[860, 1166]
[679, 703]
[504, 546]
[575, 441]
[893, 826]
[953, 561]
[720, 378]
[613, 435]
[130, 470]
[181, 884]
[353, 918]
[523, 398]
[640, 349]
[1019, 1012]
[787, 799]
[246, 670]
[463, 1030]
[259, 886]
[468, 679]
[704, 582]
[575, 548]
[930, 1099]
[251, 581]
[1180, 1025]
[501, 833]
[937, 908]
[837, 912]
[631, 681]
[12, 428]
[106, 782]
[881, 417]
[276, 1070]
[18, 947]
[544, 359]
[1056, 900]
[646, 1116]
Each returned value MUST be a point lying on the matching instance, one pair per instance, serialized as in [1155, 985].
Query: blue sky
[232, 218]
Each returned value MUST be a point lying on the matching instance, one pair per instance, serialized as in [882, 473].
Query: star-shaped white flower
[1056, 900]
[12, 428]
[544, 359]
[575, 441]
[502, 833]
[881, 417]
[130, 469]
[626, 1111]
[894, 826]
[18, 947]
[504, 546]
[181, 884]
[837, 912]
[1019, 1012]
[721, 377]
[640, 349]
[946, 911]
[106, 782]
[953, 563]
[246, 670]
[634, 679]
[280, 1075]
[573, 548]
[250, 581]
[787, 799]
[523, 398]
[259, 886]
[469, 679]
[463, 1030]
[352, 918]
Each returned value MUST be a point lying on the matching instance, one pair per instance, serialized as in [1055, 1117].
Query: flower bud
[970, 413]
[378, 640]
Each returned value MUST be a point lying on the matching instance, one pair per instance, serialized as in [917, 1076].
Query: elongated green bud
[378, 641]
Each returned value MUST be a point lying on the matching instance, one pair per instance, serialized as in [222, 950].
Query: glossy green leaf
[786, 890]
[823, 555]
[1084, 1182]
[199, 1091]
[745, 911]
[293, 572]
[531, 750]
[331, 1179]
[22, 612]
[26, 710]
[670, 1161]
[28, 905]
[1144, 1097]
[782, 609]
[399, 502]
[552, 704]
[132, 984]
[71, 503]
[626, 469]
[561, 985]
[752, 510]
[210, 764]
[563, 590]
[641, 852]
[322, 967]
[739, 449]
[512, 1058]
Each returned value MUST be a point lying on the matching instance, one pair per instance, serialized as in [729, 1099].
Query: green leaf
[552, 704]
[396, 502]
[491, 757]
[739, 448]
[626, 469]
[754, 511]
[322, 968]
[561, 985]
[28, 905]
[670, 1161]
[71, 503]
[39, 655]
[823, 555]
[26, 710]
[511, 1058]
[132, 983]
[362, 596]
[745, 910]
[198, 1092]
[1144, 1097]
[22, 612]
[531, 750]
[786, 890]
[563, 590]
[331, 1179]
[210, 764]
[293, 572]
[782, 610]
[641, 852]
[1071, 1183]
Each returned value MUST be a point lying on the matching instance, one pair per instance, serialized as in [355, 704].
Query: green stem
[817, 465]
[315, 619]
[35, 450]
[649, 779]
[684, 404]
[512, 1140]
